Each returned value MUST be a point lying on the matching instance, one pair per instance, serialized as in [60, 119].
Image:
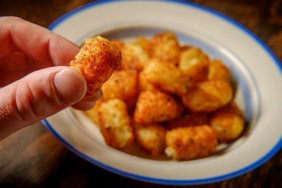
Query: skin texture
[35, 80]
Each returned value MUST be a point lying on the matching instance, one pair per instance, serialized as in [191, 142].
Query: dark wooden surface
[33, 157]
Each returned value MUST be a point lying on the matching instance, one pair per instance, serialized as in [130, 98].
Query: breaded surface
[165, 47]
[194, 63]
[93, 113]
[134, 56]
[151, 137]
[208, 96]
[166, 76]
[114, 123]
[123, 84]
[228, 123]
[144, 84]
[218, 71]
[96, 61]
[156, 106]
[187, 143]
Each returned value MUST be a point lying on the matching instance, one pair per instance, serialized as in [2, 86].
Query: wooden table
[33, 157]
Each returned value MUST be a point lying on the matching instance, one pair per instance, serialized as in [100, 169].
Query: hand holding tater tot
[35, 80]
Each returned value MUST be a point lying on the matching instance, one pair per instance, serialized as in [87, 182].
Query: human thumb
[38, 95]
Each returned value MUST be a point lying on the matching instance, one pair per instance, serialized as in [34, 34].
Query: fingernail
[70, 86]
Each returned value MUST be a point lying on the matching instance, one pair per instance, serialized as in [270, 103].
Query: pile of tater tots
[169, 99]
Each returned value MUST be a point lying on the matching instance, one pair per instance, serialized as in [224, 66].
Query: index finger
[38, 43]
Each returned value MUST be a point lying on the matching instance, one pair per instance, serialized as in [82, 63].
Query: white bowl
[254, 67]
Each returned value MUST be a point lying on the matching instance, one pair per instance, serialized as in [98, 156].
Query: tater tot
[119, 43]
[208, 96]
[93, 113]
[165, 47]
[187, 143]
[151, 137]
[166, 76]
[96, 61]
[218, 71]
[115, 124]
[194, 63]
[123, 84]
[144, 84]
[156, 106]
[144, 43]
[228, 123]
[134, 56]
[191, 119]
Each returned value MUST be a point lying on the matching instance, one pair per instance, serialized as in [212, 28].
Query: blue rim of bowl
[244, 170]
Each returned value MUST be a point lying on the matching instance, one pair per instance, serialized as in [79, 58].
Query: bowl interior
[246, 94]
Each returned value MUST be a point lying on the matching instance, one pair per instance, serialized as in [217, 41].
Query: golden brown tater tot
[144, 43]
[165, 47]
[187, 143]
[228, 123]
[96, 61]
[151, 137]
[115, 124]
[144, 84]
[208, 96]
[166, 76]
[93, 113]
[123, 84]
[134, 56]
[156, 106]
[194, 63]
[218, 71]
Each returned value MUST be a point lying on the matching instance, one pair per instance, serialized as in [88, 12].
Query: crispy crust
[96, 61]
[187, 143]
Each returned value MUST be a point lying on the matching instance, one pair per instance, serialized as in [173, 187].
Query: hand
[35, 80]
